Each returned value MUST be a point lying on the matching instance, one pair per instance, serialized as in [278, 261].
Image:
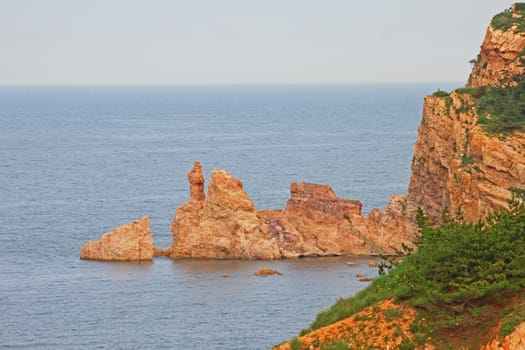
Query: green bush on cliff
[458, 264]
[440, 93]
[457, 267]
[504, 20]
[502, 109]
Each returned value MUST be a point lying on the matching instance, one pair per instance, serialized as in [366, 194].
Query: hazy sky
[240, 41]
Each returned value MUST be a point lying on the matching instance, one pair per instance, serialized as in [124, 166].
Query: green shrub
[466, 160]
[501, 110]
[440, 93]
[295, 344]
[518, 193]
[406, 344]
[503, 20]
[509, 326]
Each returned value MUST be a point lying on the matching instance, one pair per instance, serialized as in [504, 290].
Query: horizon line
[32, 85]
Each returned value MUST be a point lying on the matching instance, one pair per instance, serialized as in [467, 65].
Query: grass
[392, 314]
[339, 345]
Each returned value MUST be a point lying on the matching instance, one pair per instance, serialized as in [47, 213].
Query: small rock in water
[359, 275]
[372, 263]
[267, 272]
[351, 263]
[364, 279]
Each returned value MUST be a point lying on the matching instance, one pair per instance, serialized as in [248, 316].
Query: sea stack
[130, 242]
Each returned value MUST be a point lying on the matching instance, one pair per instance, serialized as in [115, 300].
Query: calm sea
[78, 161]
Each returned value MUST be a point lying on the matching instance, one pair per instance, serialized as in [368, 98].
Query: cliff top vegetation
[505, 20]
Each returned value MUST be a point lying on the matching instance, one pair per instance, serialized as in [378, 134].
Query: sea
[76, 162]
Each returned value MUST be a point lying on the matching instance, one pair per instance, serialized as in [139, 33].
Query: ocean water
[76, 162]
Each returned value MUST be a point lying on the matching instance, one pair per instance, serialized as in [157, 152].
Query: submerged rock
[267, 272]
[130, 242]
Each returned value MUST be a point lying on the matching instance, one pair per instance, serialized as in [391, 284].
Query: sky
[129, 42]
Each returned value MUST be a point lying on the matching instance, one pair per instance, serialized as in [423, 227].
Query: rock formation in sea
[223, 224]
[315, 222]
[130, 242]
[456, 165]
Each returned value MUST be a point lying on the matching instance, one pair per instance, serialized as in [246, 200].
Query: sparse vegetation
[502, 109]
[466, 161]
[504, 20]
[392, 314]
[295, 344]
[513, 316]
[440, 93]
[339, 345]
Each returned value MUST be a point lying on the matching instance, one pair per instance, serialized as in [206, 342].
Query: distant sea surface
[76, 162]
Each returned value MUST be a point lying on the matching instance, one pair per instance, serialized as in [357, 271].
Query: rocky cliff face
[457, 165]
[130, 242]
[499, 60]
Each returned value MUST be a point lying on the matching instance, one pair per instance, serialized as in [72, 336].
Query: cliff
[469, 153]
[457, 165]
[500, 59]
[464, 286]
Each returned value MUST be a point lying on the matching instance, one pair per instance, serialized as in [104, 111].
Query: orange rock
[372, 328]
[499, 58]
[267, 272]
[225, 224]
[130, 242]
[441, 177]
[316, 222]
[514, 341]
[196, 179]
